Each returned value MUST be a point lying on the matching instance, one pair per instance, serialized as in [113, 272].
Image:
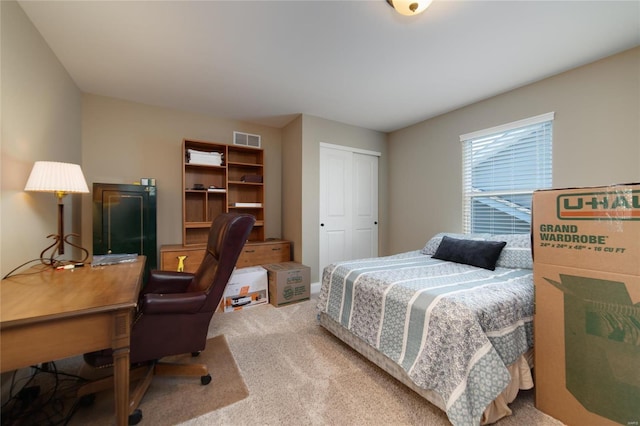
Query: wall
[314, 131]
[596, 141]
[41, 116]
[292, 199]
[125, 141]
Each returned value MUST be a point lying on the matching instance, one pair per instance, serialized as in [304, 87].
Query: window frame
[468, 138]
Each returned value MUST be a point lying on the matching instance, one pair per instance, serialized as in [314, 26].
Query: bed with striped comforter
[453, 328]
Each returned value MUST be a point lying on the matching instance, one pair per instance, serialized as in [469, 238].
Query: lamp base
[58, 246]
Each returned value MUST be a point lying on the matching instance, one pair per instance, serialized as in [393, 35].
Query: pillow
[432, 245]
[483, 254]
[512, 240]
[517, 252]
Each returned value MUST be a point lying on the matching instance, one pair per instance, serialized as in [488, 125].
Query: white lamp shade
[51, 176]
[409, 7]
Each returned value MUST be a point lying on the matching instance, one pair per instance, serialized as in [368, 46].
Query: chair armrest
[167, 282]
[184, 303]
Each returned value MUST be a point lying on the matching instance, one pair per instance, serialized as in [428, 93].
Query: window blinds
[502, 166]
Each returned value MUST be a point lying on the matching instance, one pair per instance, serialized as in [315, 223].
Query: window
[502, 166]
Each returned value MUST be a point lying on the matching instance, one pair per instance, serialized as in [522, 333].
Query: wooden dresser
[254, 253]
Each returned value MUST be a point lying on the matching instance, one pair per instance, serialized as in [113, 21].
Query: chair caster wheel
[87, 400]
[205, 380]
[135, 417]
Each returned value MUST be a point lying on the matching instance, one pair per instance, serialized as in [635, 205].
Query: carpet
[300, 374]
[297, 374]
[160, 406]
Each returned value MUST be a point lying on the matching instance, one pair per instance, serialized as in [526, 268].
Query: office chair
[173, 314]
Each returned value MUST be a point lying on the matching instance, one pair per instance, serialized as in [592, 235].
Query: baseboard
[315, 288]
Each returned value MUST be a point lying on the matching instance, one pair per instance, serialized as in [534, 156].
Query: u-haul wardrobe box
[586, 250]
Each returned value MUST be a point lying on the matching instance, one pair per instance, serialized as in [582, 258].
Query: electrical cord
[51, 263]
[24, 264]
[13, 386]
[39, 402]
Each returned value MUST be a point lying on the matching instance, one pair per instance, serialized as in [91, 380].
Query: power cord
[39, 402]
[20, 266]
[51, 263]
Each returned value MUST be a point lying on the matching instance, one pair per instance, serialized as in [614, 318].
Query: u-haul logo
[615, 205]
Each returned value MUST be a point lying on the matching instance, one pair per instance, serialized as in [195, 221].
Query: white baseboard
[315, 288]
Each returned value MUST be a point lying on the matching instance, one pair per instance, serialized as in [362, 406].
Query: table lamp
[61, 179]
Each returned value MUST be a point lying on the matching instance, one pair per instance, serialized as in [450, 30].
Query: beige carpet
[171, 400]
[299, 374]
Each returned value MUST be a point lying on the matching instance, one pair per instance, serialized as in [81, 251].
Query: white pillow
[517, 252]
[432, 245]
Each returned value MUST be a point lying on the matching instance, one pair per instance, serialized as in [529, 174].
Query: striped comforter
[453, 328]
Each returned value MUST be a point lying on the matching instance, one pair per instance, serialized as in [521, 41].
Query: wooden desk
[48, 314]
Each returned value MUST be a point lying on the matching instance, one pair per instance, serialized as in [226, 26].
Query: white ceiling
[356, 62]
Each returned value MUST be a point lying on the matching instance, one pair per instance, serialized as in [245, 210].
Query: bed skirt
[521, 377]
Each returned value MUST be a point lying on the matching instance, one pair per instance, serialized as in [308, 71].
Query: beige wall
[125, 141]
[41, 113]
[292, 198]
[596, 141]
[314, 131]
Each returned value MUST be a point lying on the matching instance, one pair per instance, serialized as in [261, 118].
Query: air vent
[246, 139]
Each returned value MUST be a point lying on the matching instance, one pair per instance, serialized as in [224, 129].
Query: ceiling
[355, 62]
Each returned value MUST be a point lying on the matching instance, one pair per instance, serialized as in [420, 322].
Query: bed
[453, 321]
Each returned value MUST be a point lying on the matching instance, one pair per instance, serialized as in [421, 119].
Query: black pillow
[483, 254]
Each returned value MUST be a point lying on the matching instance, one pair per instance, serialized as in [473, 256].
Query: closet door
[348, 205]
[365, 206]
[335, 205]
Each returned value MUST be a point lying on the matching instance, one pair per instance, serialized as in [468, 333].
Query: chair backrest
[227, 236]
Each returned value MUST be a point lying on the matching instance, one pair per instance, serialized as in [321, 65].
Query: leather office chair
[174, 311]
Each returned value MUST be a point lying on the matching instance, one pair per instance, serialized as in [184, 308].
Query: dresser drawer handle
[276, 249]
[249, 251]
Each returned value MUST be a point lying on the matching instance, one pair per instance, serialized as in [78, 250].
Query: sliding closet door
[335, 205]
[348, 205]
[365, 206]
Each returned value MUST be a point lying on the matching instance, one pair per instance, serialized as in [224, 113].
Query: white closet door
[348, 205]
[365, 206]
[335, 205]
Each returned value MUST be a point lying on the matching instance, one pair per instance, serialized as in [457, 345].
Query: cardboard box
[289, 282]
[586, 250]
[247, 287]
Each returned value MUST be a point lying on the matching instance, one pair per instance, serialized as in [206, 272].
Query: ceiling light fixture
[409, 7]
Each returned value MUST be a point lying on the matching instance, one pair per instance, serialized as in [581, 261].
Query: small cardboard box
[247, 287]
[288, 282]
[586, 250]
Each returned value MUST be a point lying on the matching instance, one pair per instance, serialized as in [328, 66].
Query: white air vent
[246, 139]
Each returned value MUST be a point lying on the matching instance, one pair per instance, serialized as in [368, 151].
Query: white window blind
[502, 166]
